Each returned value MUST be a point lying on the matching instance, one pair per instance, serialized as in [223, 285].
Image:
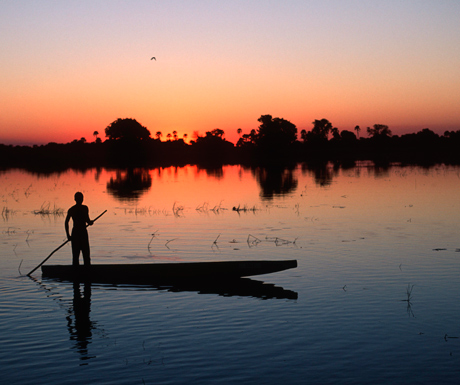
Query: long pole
[49, 256]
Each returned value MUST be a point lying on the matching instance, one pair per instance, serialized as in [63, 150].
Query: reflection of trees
[130, 184]
[216, 172]
[381, 170]
[323, 173]
[275, 181]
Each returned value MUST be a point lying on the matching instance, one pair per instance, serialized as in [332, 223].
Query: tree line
[276, 141]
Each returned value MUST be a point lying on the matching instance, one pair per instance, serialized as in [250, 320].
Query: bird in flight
[154, 58]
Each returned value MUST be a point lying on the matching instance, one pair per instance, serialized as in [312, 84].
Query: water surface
[373, 300]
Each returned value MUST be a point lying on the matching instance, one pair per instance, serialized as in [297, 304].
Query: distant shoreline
[407, 149]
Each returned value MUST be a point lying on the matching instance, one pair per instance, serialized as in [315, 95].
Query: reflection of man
[79, 238]
[81, 329]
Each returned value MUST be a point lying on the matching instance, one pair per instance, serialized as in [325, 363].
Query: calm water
[375, 298]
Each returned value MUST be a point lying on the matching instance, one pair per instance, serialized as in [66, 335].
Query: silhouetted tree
[379, 130]
[217, 132]
[174, 134]
[213, 148]
[319, 134]
[335, 133]
[426, 135]
[274, 137]
[358, 130]
[214, 135]
[347, 136]
[321, 129]
[127, 129]
[159, 134]
[303, 135]
[380, 146]
[247, 140]
[95, 134]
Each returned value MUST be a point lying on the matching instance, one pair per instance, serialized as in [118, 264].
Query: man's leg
[75, 253]
[86, 253]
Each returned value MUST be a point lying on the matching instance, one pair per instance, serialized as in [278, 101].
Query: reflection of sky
[71, 68]
[360, 240]
[400, 211]
[360, 191]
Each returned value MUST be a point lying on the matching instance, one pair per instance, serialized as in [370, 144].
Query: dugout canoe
[167, 272]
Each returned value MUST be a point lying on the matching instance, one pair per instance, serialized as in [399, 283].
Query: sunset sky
[69, 68]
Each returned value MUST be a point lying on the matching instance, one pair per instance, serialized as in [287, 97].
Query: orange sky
[71, 69]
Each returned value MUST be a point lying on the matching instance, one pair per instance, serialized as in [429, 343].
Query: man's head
[78, 197]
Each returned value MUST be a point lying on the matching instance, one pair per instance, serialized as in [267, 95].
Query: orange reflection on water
[360, 192]
[187, 185]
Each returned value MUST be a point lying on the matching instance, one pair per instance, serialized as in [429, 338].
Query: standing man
[79, 238]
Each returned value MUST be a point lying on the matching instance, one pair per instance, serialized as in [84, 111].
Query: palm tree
[169, 137]
[158, 134]
[175, 134]
[239, 131]
[358, 130]
[95, 134]
[185, 136]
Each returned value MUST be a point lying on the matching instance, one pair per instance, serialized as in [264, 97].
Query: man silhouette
[79, 238]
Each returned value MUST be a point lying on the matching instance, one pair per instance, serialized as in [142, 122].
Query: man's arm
[66, 225]
[88, 221]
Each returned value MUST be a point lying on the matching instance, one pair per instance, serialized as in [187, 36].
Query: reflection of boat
[241, 287]
[238, 287]
[158, 273]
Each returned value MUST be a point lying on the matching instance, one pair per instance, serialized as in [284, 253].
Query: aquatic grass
[27, 191]
[215, 241]
[7, 213]
[408, 299]
[244, 209]
[205, 208]
[409, 289]
[9, 231]
[218, 208]
[15, 195]
[446, 337]
[151, 239]
[46, 210]
[178, 211]
[280, 241]
[144, 211]
[253, 241]
[169, 241]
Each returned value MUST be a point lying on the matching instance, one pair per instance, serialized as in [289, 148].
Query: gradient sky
[69, 68]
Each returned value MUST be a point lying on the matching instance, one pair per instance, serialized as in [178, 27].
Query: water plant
[151, 239]
[253, 241]
[408, 299]
[177, 210]
[46, 210]
[280, 241]
[205, 208]
[244, 209]
[6, 213]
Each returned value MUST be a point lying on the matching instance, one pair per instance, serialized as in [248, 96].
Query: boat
[158, 273]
